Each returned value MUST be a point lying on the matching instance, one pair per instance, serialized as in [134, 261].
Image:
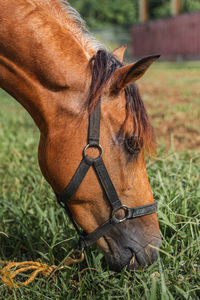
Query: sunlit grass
[34, 227]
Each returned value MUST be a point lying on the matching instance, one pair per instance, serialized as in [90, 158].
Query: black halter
[97, 163]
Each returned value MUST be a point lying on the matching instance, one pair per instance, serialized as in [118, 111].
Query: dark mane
[137, 123]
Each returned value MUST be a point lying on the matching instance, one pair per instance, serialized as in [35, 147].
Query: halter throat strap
[106, 183]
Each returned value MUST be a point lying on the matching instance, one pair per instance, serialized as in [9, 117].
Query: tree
[104, 12]
[162, 8]
[97, 13]
[190, 5]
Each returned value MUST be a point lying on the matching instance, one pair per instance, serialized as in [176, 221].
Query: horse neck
[38, 58]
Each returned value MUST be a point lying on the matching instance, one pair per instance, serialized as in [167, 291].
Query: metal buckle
[115, 219]
[92, 145]
[77, 256]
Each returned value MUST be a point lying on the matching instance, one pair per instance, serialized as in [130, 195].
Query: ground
[171, 92]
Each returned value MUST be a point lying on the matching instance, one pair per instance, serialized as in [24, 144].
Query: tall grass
[34, 227]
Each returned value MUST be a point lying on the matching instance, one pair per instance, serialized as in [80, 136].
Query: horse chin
[114, 260]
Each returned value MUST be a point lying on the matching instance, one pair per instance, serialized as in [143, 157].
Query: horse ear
[119, 53]
[130, 73]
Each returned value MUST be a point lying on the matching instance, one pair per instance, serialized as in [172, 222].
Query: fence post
[143, 10]
[176, 7]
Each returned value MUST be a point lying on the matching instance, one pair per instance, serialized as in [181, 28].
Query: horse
[53, 66]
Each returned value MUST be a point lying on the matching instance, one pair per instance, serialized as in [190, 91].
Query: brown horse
[47, 60]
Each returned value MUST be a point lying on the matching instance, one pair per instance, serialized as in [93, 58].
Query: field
[33, 227]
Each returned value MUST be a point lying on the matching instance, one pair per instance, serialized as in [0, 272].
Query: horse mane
[102, 67]
[81, 27]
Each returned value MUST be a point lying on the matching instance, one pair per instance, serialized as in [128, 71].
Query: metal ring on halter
[117, 220]
[93, 145]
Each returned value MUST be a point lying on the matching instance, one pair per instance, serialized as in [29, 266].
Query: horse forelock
[102, 66]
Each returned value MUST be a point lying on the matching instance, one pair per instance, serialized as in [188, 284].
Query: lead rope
[12, 269]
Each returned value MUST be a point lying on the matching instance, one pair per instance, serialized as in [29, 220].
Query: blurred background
[169, 27]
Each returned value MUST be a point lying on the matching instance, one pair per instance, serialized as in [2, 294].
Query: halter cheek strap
[106, 183]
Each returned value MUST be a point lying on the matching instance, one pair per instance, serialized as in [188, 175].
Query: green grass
[34, 227]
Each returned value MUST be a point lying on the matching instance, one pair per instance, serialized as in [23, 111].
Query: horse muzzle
[134, 249]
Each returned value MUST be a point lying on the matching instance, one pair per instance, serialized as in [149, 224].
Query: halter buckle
[116, 220]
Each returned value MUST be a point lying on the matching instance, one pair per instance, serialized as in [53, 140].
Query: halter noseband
[85, 239]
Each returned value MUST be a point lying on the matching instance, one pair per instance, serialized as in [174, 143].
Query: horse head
[58, 72]
[125, 135]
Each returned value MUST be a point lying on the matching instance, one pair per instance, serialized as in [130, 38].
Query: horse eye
[132, 145]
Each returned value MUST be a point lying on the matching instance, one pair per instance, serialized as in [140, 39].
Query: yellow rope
[12, 269]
